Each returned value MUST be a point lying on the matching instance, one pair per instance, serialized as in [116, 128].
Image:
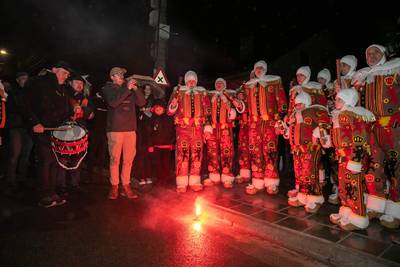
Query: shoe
[208, 182]
[181, 189]
[239, 179]
[251, 189]
[389, 222]
[59, 200]
[47, 202]
[228, 185]
[127, 192]
[142, 182]
[292, 193]
[113, 194]
[272, 190]
[334, 218]
[196, 187]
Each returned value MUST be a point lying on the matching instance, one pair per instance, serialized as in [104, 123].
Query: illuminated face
[321, 81]
[259, 71]
[374, 55]
[147, 91]
[78, 85]
[300, 78]
[118, 78]
[220, 85]
[191, 83]
[339, 103]
[344, 68]
[61, 74]
[22, 80]
[299, 106]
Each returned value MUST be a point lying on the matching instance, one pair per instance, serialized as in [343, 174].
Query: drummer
[79, 101]
[47, 107]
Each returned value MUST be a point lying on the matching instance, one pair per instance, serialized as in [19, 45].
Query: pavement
[270, 218]
[158, 230]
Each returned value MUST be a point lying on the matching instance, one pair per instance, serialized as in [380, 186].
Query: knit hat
[380, 48]
[190, 75]
[63, 65]
[306, 71]
[304, 98]
[76, 77]
[325, 74]
[349, 96]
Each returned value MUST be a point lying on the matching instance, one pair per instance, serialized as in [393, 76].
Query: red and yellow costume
[306, 152]
[317, 95]
[220, 148]
[266, 103]
[381, 94]
[345, 83]
[190, 107]
[243, 141]
[351, 139]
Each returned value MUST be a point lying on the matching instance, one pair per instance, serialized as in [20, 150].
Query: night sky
[214, 38]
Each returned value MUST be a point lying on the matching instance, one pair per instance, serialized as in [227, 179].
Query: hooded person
[244, 175]
[314, 89]
[324, 78]
[189, 104]
[266, 102]
[351, 140]
[220, 150]
[348, 65]
[306, 151]
[380, 93]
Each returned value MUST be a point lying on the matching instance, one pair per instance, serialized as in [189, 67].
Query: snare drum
[69, 143]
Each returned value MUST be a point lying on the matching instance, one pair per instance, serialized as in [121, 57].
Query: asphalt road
[90, 230]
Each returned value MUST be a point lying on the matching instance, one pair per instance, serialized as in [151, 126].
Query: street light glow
[3, 52]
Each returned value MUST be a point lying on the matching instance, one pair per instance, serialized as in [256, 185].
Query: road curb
[322, 250]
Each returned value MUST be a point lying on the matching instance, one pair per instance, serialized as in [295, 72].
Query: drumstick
[58, 129]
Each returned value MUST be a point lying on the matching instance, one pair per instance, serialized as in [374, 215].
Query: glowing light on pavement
[197, 224]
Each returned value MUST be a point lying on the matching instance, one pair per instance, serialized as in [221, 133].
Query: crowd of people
[343, 132]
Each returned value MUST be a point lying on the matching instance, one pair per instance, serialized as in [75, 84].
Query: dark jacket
[121, 114]
[46, 102]
[99, 122]
[163, 127]
[14, 106]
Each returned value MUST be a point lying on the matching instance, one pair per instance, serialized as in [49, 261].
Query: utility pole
[158, 20]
